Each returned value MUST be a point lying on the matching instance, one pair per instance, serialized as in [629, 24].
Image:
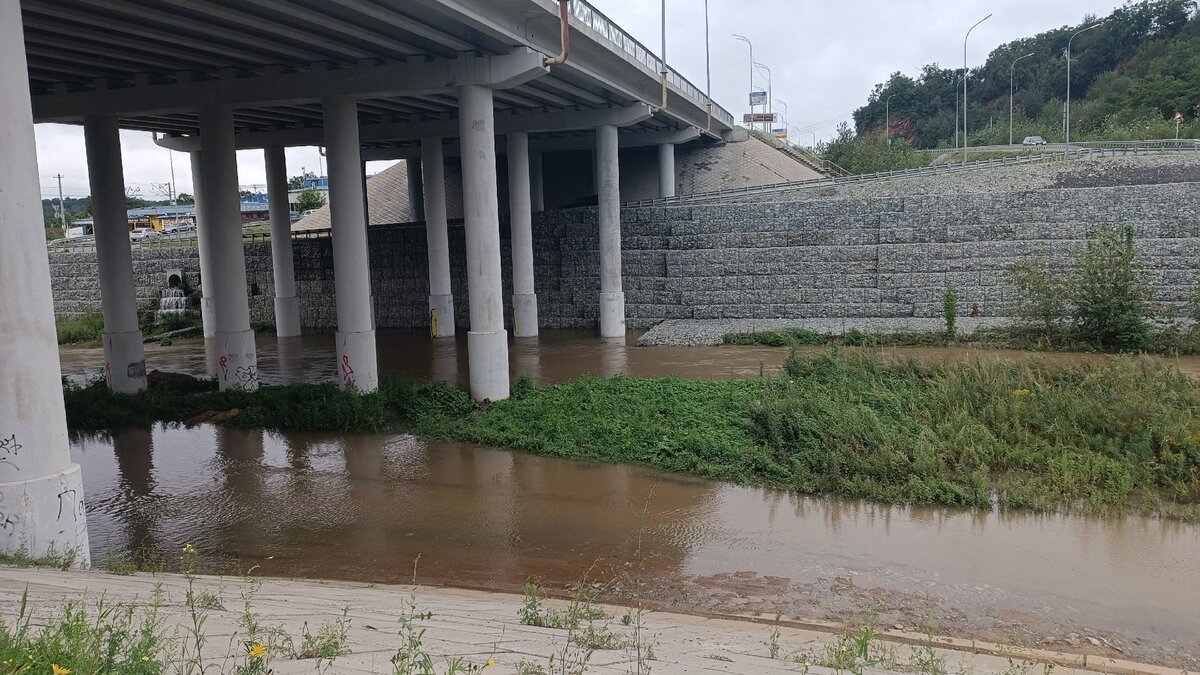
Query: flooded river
[364, 507]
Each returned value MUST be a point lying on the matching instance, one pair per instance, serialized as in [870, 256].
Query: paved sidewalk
[478, 626]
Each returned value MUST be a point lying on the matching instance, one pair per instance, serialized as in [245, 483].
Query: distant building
[158, 217]
[320, 184]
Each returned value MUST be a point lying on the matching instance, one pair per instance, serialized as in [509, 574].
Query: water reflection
[365, 506]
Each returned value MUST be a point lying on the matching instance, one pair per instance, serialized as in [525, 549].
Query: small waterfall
[172, 301]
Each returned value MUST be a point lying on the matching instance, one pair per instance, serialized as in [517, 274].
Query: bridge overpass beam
[40, 488]
[487, 341]
[520, 213]
[236, 353]
[287, 305]
[124, 356]
[437, 238]
[357, 360]
[666, 169]
[608, 182]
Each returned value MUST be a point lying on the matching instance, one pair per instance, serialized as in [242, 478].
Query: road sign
[758, 98]
[758, 118]
[781, 134]
[1178, 117]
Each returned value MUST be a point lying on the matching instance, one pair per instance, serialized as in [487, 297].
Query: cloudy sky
[825, 56]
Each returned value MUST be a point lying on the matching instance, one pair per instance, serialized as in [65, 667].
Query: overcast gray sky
[825, 56]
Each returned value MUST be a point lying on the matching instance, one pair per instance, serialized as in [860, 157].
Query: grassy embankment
[1119, 435]
[1171, 341]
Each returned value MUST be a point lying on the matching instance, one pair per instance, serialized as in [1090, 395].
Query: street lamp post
[814, 135]
[887, 117]
[1011, 72]
[966, 72]
[751, 96]
[770, 91]
[957, 102]
[1068, 132]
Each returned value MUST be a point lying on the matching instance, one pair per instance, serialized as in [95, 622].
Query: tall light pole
[1095, 25]
[785, 115]
[957, 102]
[1011, 72]
[887, 117]
[814, 135]
[751, 95]
[770, 90]
[966, 72]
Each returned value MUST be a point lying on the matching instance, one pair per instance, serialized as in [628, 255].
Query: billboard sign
[758, 98]
[780, 133]
[758, 118]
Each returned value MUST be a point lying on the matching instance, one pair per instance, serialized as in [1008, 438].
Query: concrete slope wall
[870, 257]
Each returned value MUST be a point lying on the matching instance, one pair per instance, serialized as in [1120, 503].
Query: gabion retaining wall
[887, 257]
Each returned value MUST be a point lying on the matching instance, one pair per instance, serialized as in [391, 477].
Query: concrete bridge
[420, 80]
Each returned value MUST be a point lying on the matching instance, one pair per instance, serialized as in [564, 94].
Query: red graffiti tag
[347, 371]
[224, 363]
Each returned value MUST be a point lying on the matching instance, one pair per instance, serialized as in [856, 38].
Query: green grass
[79, 330]
[1172, 340]
[1118, 434]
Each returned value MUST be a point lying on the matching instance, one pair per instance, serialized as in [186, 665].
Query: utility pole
[62, 212]
[171, 157]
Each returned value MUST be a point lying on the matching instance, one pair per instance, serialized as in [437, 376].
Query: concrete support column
[124, 357]
[437, 237]
[416, 190]
[287, 306]
[206, 315]
[537, 190]
[608, 181]
[357, 362]
[487, 342]
[666, 169]
[237, 355]
[520, 213]
[41, 490]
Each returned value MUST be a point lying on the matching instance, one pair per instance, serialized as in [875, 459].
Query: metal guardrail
[857, 179]
[597, 21]
[1159, 145]
[1112, 148]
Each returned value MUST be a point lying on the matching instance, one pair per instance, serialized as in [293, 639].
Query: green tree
[1110, 296]
[309, 199]
[295, 182]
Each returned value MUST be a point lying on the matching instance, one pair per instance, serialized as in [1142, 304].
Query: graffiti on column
[137, 369]
[347, 372]
[8, 521]
[246, 377]
[71, 504]
[224, 363]
[9, 449]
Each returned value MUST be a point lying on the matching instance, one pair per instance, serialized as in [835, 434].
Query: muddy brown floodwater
[363, 507]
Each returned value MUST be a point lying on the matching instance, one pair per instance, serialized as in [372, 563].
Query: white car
[181, 228]
[1033, 140]
[142, 234]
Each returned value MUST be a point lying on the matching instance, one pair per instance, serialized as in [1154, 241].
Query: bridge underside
[423, 80]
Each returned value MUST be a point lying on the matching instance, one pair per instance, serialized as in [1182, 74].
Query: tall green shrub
[1043, 297]
[950, 313]
[1110, 297]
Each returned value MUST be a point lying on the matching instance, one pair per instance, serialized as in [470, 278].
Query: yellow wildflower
[59, 670]
[189, 549]
[1021, 393]
[491, 662]
[256, 651]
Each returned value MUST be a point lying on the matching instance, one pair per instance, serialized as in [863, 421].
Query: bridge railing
[1158, 145]
[1075, 152]
[936, 169]
[600, 23]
